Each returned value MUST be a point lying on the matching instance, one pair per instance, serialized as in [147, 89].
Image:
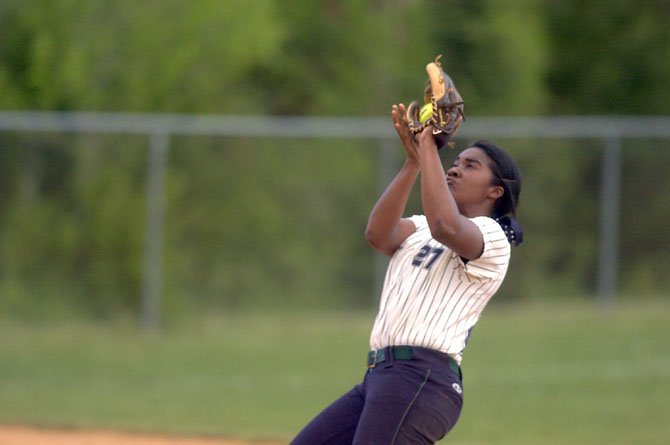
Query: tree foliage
[254, 221]
[611, 58]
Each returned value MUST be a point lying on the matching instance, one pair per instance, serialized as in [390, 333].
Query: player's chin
[455, 193]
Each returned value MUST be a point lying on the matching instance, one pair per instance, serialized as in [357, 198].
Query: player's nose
[453, 172]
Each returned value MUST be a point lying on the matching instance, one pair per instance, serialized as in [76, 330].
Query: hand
[409, 142]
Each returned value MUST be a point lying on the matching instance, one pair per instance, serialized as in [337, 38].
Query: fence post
[608, 255]
[153, 231]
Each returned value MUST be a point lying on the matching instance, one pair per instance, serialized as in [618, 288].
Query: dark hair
[508, 175]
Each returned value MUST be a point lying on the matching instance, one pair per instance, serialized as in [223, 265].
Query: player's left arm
[446, 223]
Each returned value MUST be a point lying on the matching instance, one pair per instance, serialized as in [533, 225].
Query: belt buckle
[372, 359]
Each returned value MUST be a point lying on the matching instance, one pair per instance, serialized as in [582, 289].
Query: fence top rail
[320, 126]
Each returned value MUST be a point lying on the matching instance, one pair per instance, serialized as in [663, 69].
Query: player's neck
[474, 210]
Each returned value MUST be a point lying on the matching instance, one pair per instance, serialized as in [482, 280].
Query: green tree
[73, 206]
[495, 51]
[608, 58]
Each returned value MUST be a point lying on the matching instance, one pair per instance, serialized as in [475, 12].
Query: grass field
[535, 374]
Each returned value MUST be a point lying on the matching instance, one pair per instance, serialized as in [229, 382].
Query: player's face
[471, 179]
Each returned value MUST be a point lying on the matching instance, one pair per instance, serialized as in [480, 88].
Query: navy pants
[416, 401]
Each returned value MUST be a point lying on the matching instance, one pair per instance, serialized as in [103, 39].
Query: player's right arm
[387, 229]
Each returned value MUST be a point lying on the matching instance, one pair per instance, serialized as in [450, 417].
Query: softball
[425, 113]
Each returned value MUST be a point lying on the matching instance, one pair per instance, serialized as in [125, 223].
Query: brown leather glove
[447, 107]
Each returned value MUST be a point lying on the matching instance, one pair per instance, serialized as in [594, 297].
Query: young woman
[445, 266]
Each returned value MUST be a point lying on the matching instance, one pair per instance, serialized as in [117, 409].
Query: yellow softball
[425, 113]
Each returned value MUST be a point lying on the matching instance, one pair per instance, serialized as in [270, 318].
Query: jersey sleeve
[420, 221]
[495, 258]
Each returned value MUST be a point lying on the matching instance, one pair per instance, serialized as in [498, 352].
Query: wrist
[429, 154]
[412, 163]
[428, 144]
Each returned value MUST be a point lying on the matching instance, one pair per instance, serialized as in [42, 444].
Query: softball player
[445, 266]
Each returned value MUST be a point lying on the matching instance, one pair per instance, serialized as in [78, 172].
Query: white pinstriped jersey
[431, 297]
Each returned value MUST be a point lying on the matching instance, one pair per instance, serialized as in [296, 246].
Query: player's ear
[496, 191]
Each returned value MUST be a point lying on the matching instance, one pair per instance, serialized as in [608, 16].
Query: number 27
[424, 253]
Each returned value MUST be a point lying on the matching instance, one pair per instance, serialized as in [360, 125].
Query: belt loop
[372, 359]
[390, 358]
[455, 367]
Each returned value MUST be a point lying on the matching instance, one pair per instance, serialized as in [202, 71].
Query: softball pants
[413, 401]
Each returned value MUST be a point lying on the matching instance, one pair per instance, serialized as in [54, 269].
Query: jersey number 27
[431, 254]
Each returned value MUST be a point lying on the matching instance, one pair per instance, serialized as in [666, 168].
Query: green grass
[541, 374]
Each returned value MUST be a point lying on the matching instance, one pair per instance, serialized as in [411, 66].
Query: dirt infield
[21, 435]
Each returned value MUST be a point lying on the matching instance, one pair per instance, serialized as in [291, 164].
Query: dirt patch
[21, 435]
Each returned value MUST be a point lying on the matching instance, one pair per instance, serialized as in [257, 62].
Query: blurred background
[165, 161]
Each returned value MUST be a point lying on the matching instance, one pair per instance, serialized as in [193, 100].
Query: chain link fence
[158, 166]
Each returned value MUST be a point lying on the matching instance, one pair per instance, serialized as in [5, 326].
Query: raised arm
[386, 228]
[447, 224]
